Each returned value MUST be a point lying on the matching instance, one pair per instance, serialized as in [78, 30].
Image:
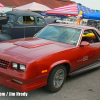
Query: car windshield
[62, 34]
[11, 18]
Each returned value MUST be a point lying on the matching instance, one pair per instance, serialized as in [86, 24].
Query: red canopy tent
[72, 9]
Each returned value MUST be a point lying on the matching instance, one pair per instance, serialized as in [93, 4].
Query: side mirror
[84, 43]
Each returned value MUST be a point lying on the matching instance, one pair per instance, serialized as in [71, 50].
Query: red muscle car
[58, 50]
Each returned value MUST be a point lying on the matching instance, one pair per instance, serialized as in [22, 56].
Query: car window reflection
[67, 35]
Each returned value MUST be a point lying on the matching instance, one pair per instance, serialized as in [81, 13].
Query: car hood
[30, 48]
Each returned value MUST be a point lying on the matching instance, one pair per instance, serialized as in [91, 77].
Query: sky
[92, 4]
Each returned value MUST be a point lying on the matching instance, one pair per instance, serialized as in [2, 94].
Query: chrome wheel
[59, 78]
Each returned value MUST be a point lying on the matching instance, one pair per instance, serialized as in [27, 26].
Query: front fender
[58, 63]
[4, 37]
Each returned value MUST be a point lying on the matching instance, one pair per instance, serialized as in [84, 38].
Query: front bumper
[12, 84]
[18, 80]
[23, 85]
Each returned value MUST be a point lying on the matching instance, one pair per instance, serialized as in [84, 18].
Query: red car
[58, 50]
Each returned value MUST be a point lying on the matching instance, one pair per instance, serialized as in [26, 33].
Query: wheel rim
[59, 78]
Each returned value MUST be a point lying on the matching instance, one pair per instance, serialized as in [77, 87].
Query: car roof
[23, 13]
[75, 26]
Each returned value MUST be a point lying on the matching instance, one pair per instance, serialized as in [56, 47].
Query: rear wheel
[56, 78]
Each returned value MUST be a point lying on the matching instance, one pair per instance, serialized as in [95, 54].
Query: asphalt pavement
[85, 86]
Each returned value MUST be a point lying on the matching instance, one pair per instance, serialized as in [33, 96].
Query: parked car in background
[94, 23]
[51, 20]
[58, 50]
[21, 24]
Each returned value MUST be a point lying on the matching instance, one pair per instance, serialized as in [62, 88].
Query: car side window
[20, 20]
[26, 20]
[11, 18]
[90, 36]
[40, 20]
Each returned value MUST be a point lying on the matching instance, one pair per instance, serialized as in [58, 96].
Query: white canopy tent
[5, 9]
[32, 7]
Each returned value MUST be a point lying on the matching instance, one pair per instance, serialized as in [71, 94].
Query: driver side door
[89, 54]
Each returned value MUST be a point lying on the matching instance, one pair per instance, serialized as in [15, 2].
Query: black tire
[56, 78]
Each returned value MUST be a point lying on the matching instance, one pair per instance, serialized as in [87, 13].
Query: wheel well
[67, 66]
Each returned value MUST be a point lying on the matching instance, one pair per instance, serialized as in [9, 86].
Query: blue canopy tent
[92, 16]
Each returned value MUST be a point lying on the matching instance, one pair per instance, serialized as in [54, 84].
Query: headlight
[14, 65]
[18, 66]
[22, 67]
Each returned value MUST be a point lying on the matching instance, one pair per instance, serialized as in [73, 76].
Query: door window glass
[90, 36]
[26, 20]
[40, 20]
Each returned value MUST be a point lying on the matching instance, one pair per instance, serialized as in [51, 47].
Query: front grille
[4, 64]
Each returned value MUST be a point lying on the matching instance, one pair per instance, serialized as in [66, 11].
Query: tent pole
[82, 22]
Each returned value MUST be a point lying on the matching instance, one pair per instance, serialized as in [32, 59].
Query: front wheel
[56, 78]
